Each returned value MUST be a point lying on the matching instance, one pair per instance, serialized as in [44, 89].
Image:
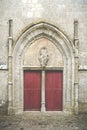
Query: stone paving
[44, 121]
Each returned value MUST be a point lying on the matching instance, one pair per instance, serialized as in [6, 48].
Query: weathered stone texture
[3, 84]
[3, 91]
[83, 91]
[44, 121]
[59, 13]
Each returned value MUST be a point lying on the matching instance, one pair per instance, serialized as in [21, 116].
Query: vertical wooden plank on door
[54, 90]
[32, 90]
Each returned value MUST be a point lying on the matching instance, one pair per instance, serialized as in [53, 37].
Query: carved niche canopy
[43, 56]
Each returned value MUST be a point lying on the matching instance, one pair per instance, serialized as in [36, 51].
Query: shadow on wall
[3, 107]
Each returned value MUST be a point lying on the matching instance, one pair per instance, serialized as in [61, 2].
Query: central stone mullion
[43, 108]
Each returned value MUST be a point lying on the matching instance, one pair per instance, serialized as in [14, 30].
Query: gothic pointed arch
[65, 46]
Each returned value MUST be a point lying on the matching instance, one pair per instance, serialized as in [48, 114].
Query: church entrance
[33, 90]
[43, 71]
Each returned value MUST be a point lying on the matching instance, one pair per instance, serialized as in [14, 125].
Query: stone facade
[28, 25]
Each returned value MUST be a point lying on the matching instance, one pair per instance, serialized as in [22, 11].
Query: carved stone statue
[43, 57]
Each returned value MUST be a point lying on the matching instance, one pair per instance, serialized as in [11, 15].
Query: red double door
[53, 90]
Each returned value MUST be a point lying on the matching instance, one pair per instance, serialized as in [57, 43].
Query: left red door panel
[32, 90]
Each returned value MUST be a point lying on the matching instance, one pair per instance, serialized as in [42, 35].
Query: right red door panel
[54, 80]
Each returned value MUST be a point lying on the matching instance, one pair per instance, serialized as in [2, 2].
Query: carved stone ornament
[43, 57]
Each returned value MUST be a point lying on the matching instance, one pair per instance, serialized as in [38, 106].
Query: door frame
[43, 98]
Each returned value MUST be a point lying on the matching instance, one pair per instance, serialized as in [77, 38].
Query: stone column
[76, 43]
[10, 41]
[43, 108]
[43, 58]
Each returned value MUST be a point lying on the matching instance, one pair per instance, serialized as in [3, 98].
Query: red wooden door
[32, 90]
[54, 81]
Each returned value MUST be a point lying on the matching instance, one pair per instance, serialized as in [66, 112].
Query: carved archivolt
[63, 43]
[43, 57]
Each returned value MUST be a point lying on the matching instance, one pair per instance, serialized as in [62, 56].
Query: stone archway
[67, 50]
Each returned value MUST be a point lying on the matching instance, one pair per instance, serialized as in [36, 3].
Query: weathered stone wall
[3, 91]
[83, 91]
[60, 13]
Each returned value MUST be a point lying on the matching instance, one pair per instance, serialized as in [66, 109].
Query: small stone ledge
[83, 67]
[3, 67]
